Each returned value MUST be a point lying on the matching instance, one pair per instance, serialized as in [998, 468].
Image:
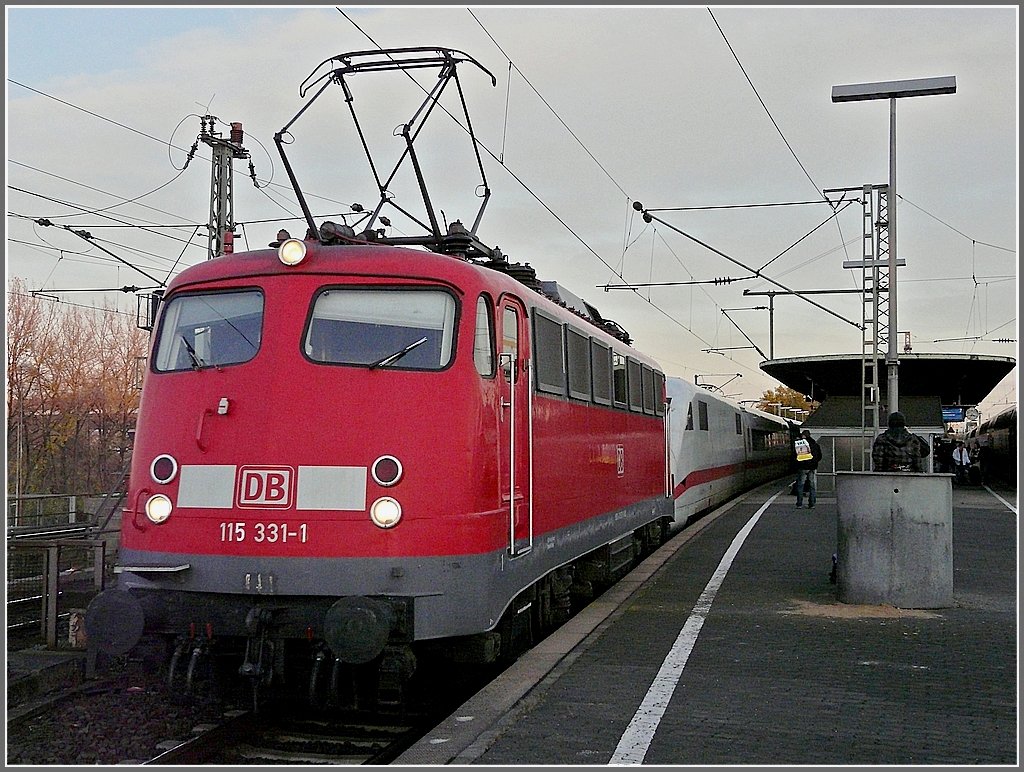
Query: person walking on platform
[898, 450]
[808, 454]
[961, 462]
[985, 460]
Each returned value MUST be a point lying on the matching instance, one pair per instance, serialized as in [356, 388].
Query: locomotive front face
[260, 427]
[315, 437]
[371, 446]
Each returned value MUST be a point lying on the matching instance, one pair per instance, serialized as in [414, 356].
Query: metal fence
[57, 551]
[45, 513]
[49, 584]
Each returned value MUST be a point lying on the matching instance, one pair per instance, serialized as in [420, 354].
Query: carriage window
[549, 354]
[577, 350]
[739, 424]
[398, 328]
[209, 330]
[619, 379]
[702, 415]
[483, 339]
[601, 366]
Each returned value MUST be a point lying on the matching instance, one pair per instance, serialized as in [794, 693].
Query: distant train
[720, 448]
[998, 436]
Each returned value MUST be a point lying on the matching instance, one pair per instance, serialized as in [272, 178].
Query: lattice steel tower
[222, 195]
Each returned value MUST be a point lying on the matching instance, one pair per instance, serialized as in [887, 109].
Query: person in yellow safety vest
[808, 454]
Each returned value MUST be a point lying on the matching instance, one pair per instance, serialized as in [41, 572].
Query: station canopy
[956, 379]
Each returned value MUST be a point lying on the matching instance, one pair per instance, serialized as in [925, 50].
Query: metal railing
[57, 551]
[47, 580]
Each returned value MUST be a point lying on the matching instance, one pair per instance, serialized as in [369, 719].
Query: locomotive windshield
[401, 328]
[209, 330]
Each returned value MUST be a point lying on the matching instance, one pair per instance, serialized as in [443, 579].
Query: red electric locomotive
[371, 446]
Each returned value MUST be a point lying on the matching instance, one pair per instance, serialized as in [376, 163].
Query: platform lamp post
[893, 90]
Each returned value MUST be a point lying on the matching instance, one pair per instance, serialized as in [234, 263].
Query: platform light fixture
[893, 90]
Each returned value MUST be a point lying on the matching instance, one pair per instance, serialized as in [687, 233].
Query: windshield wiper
[390, 358]
[197, 363]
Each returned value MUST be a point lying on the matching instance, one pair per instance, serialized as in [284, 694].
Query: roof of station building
[956, 379]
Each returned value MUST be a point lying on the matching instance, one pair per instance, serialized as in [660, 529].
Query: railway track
[247, 738]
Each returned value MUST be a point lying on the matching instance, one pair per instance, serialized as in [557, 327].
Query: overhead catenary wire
[107, 193]
[78, 206]
[88, 237]
[753, 271]
[165, 142]
[768, 112]
[69, 303]
[548, 105]
[955, 230]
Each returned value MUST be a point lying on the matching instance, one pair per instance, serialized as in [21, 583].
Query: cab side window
[483, 338]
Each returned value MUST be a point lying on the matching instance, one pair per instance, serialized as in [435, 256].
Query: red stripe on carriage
[701, 476]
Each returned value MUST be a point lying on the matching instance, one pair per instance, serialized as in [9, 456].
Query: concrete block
[895, 539]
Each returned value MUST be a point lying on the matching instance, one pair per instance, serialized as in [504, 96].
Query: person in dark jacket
[898, 450]
[807, 458]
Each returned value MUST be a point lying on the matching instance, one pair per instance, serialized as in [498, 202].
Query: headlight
[163, 469]
[158, 508]
[291, 251]
[386, 471]
[385, 512]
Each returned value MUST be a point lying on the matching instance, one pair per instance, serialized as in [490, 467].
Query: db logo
[265, 486]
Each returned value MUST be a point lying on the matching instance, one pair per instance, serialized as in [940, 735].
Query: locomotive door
[515, 446]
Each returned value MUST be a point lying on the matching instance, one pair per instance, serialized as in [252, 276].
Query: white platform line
[636, 740]
[1009, 506]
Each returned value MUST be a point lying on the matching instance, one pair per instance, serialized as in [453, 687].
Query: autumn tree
[773, 400]
[71, 394]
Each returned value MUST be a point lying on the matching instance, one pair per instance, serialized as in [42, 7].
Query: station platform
[690, 661]
[34, 674]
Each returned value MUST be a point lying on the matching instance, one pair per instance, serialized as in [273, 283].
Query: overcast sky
[699, 113]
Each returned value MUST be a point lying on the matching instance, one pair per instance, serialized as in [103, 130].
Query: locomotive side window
[601, 367]
[739, 424]
[659, 393]
[483, 339]
[636, 392]
[647, 375]
[702, 415]
[510, 342]
[689, 417]
[577, 350]
[619, 379]
[400, 328]
[209, 330]
[549, 354]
